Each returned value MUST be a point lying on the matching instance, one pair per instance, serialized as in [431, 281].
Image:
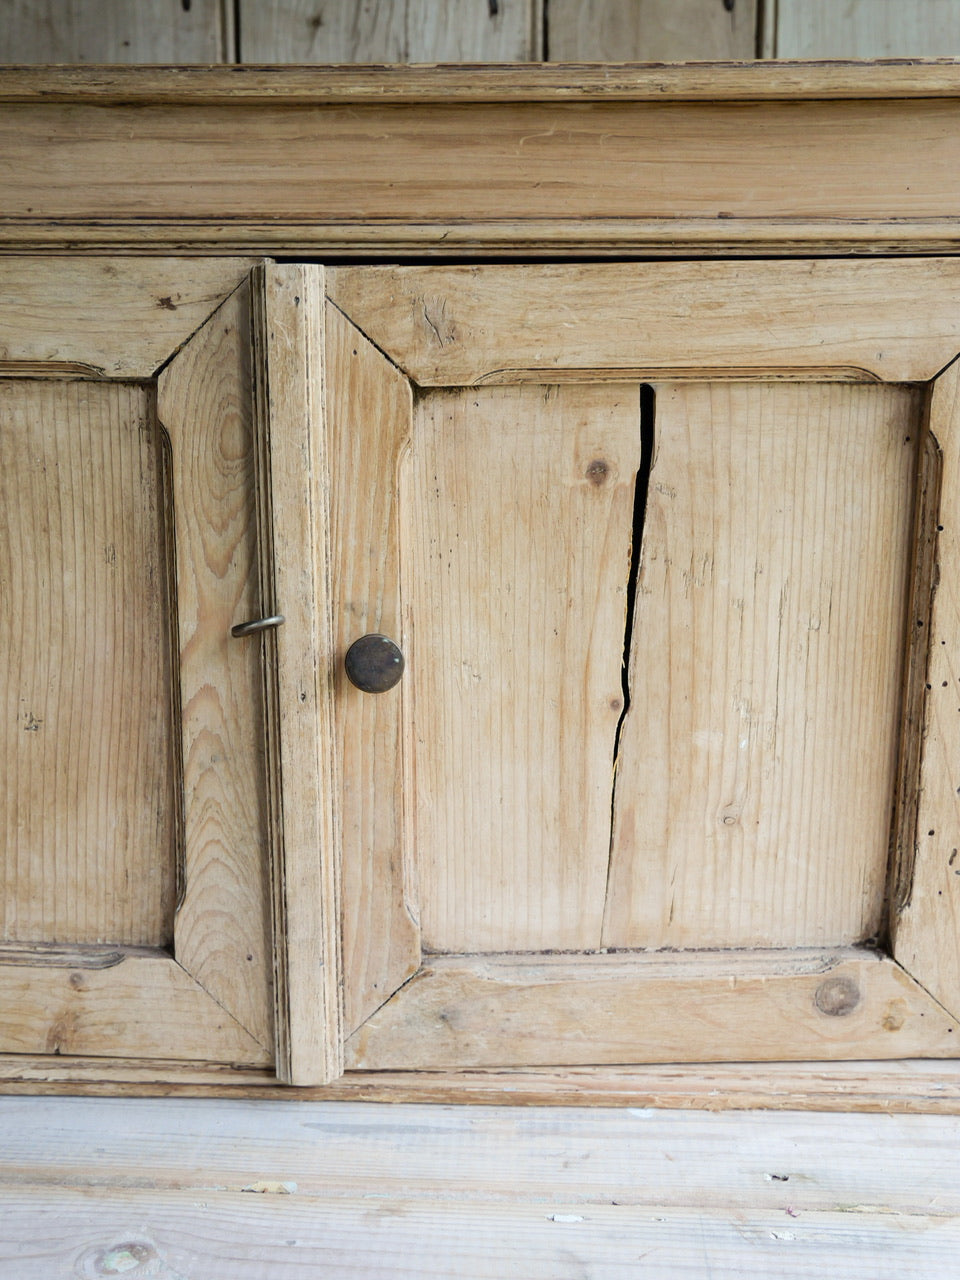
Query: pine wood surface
[899, 78]
[386, 31]
[138, 1003]
[651, 30]
[517, 519]
[864, 29]
[758, 754]
[177, 1188]
[78, 31]
[369, 411]
[610, 177]
[293, 556]
[205, 402]
[449, 325]
[489, 1011]
[113, 317]
[87, 831]
[925, 927]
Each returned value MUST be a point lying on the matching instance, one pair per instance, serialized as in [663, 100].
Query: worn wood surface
[578, 82]
[100, 31]
[185, 1189]
[925, 928]
[864, 29]
[651, 30]
[112, 1003]
[758, 754]
[490, 1011]
[293, 556]
[445, 326]
[383, 31]
[369, 419]
[87, 831]
[111, 317]
[205, 402]
[522, 177]
[517, 508]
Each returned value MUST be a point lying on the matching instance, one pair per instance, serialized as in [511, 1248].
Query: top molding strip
[551, 82]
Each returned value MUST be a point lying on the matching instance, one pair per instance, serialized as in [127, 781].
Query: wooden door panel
[727, 1006]
[756, 767]
[164, 893]
[88, 831]
[369, 411]
[518, 515]
[758, 755]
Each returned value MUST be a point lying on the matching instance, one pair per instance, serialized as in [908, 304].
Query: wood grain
[115, 31]
[892, 321]
[87, 830]
[823, 80]
[866, 29]
[725, 1006]
[294, 561]
[112, 317]
[379, 31]
[601, 174]
[227, 1237]
[205, 402]
[757, 764]
[479, 1192]
[124, 1003]
[369, 411]
[880, 1168]
[651, 30]
[925, 928]
[907, 1086]
[517, 517]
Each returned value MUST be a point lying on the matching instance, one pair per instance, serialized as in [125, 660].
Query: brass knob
[374, 663]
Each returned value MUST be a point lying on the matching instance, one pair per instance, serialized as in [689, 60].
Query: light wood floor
[180, 1189]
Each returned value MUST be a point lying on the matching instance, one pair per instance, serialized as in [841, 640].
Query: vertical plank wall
[355, 31]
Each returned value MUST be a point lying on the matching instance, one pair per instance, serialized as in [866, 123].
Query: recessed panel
[517, 509]
[755, 784]
[87, 828]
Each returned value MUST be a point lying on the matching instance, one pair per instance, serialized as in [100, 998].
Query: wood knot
[837, 997]
[598, 471]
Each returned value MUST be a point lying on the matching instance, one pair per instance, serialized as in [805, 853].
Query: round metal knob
[374, 663]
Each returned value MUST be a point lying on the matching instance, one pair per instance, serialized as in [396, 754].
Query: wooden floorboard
[195, 1190]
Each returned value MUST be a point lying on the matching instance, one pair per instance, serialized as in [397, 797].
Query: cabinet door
[657, 544]
[162, 893]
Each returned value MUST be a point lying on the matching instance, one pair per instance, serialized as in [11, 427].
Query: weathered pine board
[165, 31]
[294, 564]
[651, 30]
[925, 929]
[205, 402]
[757, 760]
[342, 31]
[138, 1002]
[723, 1006]
[88, 783]
[369, 420]
[640, 1156]
[517, 510]
[449, 325]
[119, 317]
[482, 1193]
[528, 177]
[863, 29]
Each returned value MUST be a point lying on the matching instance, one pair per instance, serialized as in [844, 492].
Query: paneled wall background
[319, 31]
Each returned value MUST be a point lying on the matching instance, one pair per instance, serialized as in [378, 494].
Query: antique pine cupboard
[618, 410]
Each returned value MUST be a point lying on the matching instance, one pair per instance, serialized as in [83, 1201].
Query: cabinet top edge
[464, 83]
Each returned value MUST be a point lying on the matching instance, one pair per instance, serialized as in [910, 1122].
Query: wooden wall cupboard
[665, 799]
